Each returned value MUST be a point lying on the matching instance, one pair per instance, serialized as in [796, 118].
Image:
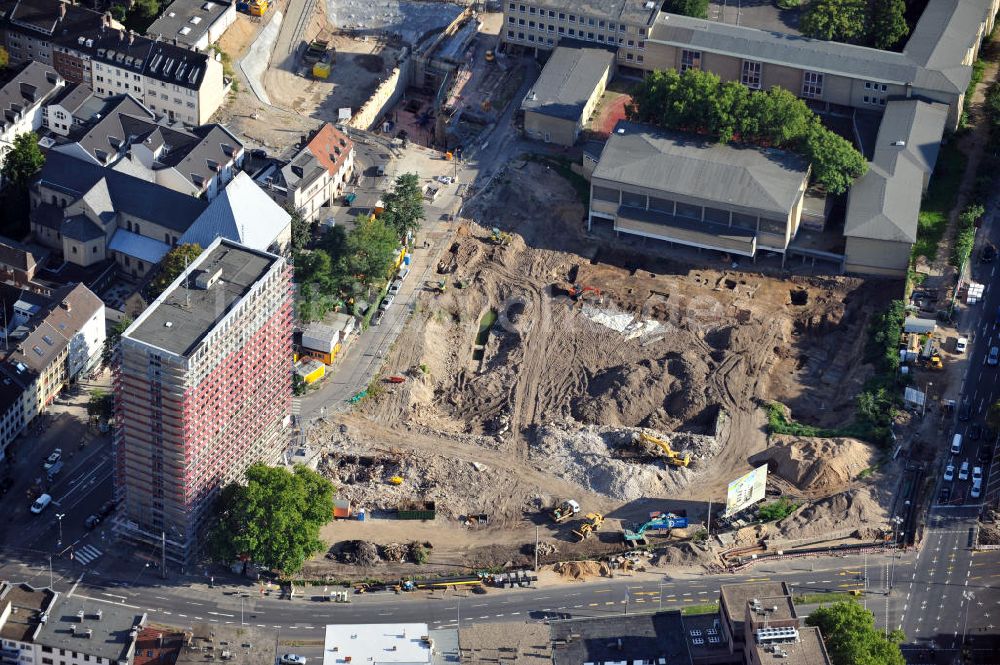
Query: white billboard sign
[746, 490]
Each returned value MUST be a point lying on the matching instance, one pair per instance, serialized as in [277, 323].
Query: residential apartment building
[82, 632]
[91, 48]
[317, 174]
[128, 137]
[674, 187]
[23, 611]
[22, 101]
[194, 24]
[203, 390]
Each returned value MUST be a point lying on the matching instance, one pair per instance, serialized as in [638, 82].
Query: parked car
[404, 271]
[994, 357]
[41, 503]
[985, 454]
[387, 301]
[988, 253]
[377, 317]
[395, 287]
[92, 522]
[292, 659]
[963, 471]
[965, 411]
[977, 474]
[949, 472]
[53, 459]
[107, 508]
[54, 470]
[961, 344]
[945, 494]
[977, 489]
[975, 431]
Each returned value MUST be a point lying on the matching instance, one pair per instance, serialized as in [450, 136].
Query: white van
[956, 444]
[41, 503]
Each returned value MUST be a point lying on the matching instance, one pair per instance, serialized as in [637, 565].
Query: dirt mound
[587, 455]
[580, 570]
[358, 552]
[837, 516]
[682, 554]
[819, 467]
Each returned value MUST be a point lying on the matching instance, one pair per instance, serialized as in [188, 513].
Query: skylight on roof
[195, 20]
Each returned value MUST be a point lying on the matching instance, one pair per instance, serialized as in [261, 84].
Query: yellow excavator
[593, 523]
[498, 237]
[673, 458]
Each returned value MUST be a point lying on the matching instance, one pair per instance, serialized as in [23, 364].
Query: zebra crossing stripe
[87, 553]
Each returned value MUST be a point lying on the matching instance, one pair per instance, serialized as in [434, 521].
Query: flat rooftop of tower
[187, 311]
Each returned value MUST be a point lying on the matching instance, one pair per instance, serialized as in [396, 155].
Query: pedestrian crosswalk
[86, 554]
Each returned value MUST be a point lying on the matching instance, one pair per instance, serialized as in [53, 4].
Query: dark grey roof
[947, 29]
[632, 11]
[30, 87]
[568, 80]
[111, 635]
[178, 20]
[884, 203]
[78, 227]
[621, 639]
[193, 312]
[165, 62]
[672, 162]
[800, 52]
[137, 197]
[200, 157]
[124, 118]
[43, 16]
[73, 97]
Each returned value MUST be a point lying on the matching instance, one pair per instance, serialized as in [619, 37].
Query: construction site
[563, 385]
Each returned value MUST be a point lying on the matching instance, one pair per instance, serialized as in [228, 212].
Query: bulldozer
[498, 237]
[593, 523]
[564, 511]
[673, 458]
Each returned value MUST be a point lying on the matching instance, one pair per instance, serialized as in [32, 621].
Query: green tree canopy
[112, 339]
[888, 23]
[24, 160]
[849, 632]
[836, 20]
[172, 265]
[404, 205]
[101, 405]
[4, 58]
[695, 8]
[697, 101]
[274, 519]
[371, 246]
[302, 230]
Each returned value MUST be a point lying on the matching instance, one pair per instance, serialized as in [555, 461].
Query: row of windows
[572, 18]
[572, 32]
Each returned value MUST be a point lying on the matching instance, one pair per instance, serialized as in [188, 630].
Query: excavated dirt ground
[544, 406]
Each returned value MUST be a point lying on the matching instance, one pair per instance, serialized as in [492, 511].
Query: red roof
[330, 147]
[150, 649]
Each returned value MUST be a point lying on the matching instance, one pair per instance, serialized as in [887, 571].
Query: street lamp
[897, 520]
[59, 517]
[927, 396]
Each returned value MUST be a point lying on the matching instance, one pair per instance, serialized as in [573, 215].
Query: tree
[835, 20]
[835, 162]
[173, 264]
[371, 246]
[112, 339]
[695, 8]
[101, 405]
[272, 520]
[4, 58]
[302, 230]
[849, 632]
[993, 417]
[888, 23]
[24, 161]
[404, 205]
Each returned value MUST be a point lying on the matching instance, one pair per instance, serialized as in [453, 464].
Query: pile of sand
[818, 467]
[837, 516]
[580, 570]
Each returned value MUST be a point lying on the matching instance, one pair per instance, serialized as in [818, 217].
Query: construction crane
[673, 458]
[593, 523]
[564, 511]
[498, 237]
[662, 522]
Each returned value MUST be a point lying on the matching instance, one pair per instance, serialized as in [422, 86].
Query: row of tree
[698, 101]
[878, 23]
[344, 266]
